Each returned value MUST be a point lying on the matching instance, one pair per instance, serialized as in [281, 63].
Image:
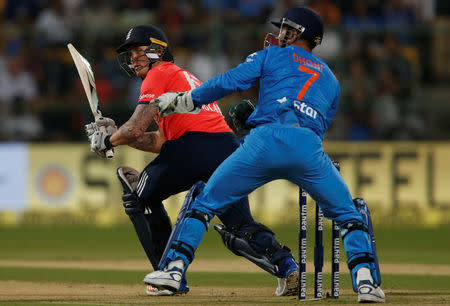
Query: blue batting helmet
[306, 21]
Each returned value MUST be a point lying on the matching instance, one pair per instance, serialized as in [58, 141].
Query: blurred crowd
[379, 49]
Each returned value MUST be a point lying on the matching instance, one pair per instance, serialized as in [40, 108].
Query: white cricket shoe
[153, 291]
[287, 277]
[169, 278]
[288, 286]
[370, 293]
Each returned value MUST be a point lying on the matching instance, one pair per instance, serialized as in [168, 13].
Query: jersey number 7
[315, 76]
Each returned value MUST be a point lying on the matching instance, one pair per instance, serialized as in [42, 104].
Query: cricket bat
[87, 79]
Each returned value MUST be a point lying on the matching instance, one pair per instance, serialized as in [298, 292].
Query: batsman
[190, 147]
[298, 99]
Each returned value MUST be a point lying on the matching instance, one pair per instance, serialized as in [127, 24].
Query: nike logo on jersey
[249, 58]
[282, 100]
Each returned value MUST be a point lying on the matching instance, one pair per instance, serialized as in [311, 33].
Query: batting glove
[100, 143]
[93, 127]
[175, 103]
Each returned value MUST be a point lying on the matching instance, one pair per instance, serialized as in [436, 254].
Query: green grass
[396, 244]
[71, 242]
[227, 279]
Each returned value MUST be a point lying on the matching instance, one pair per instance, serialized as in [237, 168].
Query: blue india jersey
[296, 87]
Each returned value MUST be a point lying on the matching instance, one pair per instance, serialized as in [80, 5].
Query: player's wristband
[108, 144]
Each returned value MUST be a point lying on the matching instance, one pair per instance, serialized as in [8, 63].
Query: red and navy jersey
[169, 77]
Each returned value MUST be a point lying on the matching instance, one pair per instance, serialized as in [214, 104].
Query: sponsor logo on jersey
[305, 109]
[146, 96]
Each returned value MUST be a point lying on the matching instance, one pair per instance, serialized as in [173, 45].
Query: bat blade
[87, 79]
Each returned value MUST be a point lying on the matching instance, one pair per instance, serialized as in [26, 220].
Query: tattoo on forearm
[147, 142]
[138, 123]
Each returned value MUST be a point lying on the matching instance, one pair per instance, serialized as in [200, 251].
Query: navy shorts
[182, 162]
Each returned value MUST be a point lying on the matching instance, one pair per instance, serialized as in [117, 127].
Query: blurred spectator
[330, 48]
[399, 17]
[254, 11]
[361, 22]
[396, 13]
[97, 19]
[52, 25]
[357, 111]
[392, 55]
[381, 74]
[14, 43]
[425, 11]
[21, 11]
[18, 97]
[358, 77]
[72, 5]
[21, 124]
[16, 84]
[204, 65]
[330, 13]
[385, 107]
[362, 48]
[134, 13]
[110, 68]
[217, 4]
[281, 6]
[361, 17]
[170, 15]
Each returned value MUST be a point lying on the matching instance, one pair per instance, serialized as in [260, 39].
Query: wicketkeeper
[298, 99]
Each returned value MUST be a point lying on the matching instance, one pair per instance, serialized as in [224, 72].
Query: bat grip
[109, 153]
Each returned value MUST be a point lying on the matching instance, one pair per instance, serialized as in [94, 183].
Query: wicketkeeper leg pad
[358, 249]
[363, 209]
[195, 224]
[185, 208]
[241, 247]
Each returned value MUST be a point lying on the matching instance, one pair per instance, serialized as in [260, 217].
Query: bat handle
[110, 152]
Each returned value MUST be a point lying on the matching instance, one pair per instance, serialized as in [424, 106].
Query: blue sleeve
[237, 79]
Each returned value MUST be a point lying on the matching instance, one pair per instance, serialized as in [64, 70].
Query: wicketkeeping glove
[239, 114]
[175, 103]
